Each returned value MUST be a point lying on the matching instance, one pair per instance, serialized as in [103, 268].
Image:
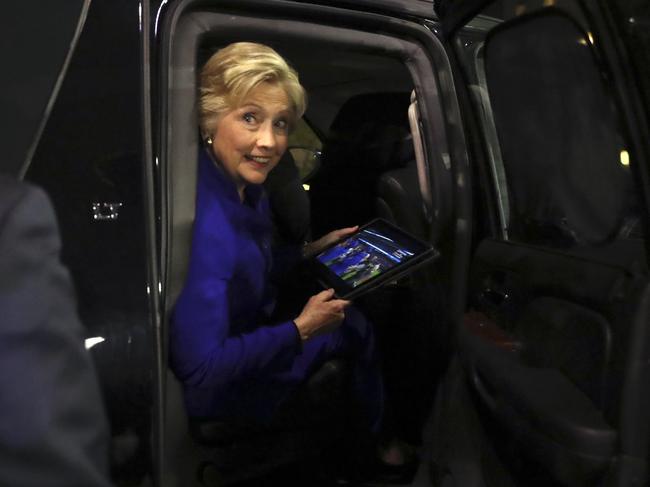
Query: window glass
[559, 160]
[305, 148]
[633, 17]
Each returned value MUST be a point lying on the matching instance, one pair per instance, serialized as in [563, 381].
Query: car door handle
[494, 297]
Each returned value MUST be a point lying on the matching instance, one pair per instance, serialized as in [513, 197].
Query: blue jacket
[233, 361]
[222, 346]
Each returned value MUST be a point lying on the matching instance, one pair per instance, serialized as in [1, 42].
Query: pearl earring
[208, 140]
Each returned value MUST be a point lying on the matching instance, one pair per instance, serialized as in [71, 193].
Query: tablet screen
[376, 249]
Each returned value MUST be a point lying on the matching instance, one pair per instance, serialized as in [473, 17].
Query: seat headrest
[378, 108]
[289, 202]
[375, 128]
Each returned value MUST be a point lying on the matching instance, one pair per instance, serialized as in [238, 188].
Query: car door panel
[549, 386]
[543, 410]
[552, 385]
[555, 293]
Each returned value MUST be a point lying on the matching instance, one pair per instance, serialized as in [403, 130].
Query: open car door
[553, 340]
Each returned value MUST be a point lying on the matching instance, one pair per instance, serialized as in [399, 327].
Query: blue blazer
[233, 361]
[222, 346]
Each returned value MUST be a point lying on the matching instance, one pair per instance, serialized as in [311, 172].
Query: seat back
[290, 208]
[418, 302]
[399, 201]
[364, 141]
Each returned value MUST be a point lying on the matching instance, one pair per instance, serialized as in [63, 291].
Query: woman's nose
[266, 136]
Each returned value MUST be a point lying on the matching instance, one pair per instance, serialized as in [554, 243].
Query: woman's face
[250, 139]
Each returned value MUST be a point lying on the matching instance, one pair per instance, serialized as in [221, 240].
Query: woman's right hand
[321, 314]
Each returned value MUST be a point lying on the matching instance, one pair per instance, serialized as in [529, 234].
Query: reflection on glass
[625, 158]
[307, 161]
[91, 342]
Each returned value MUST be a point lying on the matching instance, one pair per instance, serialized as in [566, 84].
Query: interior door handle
[494, 297]
[488, 398]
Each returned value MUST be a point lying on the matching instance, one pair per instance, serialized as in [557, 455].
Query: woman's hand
[312, 248]
[321, 314]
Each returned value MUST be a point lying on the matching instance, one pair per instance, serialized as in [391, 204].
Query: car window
[634, 22]
[305, 147]
[557, 149]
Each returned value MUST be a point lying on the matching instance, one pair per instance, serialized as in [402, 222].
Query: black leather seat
[362, 144]
[289, 202]
[416, 302]
[399, 201]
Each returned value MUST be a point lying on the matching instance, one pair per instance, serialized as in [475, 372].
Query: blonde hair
[232, 72]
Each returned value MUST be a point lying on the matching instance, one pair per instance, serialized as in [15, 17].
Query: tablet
[377, 253]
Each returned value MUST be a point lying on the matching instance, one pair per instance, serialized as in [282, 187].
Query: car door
[399, 30]
[74, 128]
[552, 321]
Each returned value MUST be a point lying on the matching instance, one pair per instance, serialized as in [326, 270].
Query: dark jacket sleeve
[52, 425]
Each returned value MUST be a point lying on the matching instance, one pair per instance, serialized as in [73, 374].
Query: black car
[513, 135]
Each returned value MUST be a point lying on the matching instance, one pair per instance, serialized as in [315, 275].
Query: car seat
[369, 170]
[416, 302]
[359, 147]
[289, 203]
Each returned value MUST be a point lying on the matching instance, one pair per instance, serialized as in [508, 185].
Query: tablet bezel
[329, 279]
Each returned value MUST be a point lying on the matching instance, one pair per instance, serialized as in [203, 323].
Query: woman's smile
[261, 161]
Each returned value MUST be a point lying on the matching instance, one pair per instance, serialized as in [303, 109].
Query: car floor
[310, 474]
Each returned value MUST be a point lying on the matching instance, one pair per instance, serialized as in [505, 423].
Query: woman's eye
[282, 124]
[248, 117]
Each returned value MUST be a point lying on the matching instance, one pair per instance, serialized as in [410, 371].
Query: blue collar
[214, 176]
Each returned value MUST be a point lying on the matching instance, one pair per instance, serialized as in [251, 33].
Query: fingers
[337, 307]
[322, 314]
[327, 298]
[346, 231]
[341, 303]
[316, 246]
[324, 295]
[328, 295]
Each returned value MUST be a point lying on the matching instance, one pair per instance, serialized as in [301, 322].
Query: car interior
[363, 121]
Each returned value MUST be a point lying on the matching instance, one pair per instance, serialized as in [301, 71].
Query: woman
[233, 359]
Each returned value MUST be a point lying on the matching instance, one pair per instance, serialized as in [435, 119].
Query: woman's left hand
[312, 248]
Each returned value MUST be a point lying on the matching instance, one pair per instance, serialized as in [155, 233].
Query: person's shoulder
[22, 197]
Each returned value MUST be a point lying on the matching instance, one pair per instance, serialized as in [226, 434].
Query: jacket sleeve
[203, 354]
[52, 428]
